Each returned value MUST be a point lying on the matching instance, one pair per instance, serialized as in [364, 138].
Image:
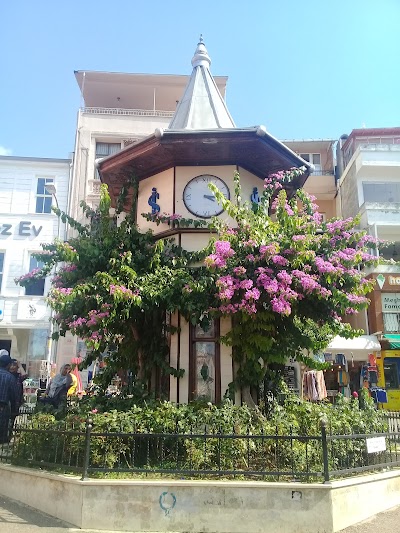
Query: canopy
[394, 341]
[358, 348]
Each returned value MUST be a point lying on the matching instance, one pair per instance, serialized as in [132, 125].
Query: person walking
[8, 396]
[19, 376]
[61, 386]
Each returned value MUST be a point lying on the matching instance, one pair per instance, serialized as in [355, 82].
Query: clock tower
[173, 167]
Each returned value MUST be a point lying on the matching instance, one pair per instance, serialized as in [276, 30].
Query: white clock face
[198, 198]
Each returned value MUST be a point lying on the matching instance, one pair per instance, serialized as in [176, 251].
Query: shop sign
[394, 280]
[391, 302]
[32, 310]
[25, 228]
[381, 280]
[376, 444]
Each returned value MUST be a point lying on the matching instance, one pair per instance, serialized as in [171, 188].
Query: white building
[370, 182]
[26, 221]
[118, 109]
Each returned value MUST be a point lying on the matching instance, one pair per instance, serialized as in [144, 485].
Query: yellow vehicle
[389, 378]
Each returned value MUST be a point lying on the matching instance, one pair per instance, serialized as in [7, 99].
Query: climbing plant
[283, 275]
[115, 287]
[286, 277]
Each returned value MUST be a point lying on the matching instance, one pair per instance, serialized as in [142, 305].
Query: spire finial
[201, 107]
[201, 57]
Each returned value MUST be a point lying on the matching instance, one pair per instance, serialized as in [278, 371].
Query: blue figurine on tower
[155, 208]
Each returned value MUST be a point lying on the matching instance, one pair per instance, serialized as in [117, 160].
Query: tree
[286, 279]
[114, 289]
[283, 275]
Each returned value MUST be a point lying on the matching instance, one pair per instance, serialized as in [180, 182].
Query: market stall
[353, 365]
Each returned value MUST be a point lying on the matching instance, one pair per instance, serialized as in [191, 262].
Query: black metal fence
[203, 452]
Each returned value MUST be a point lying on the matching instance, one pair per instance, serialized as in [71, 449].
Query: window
[37, 345]
[1, 269]
[391, 371]
[104, 150]
[205, 364]
[391, 312]
[391, 322]
[314, 159]
[43, 197]
[381, 192]
[36, 288]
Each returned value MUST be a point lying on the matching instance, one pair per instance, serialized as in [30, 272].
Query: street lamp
[51, 189]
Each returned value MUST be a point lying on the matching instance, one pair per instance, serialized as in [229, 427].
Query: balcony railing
[323, 172]
[94, 186]
[127, 112]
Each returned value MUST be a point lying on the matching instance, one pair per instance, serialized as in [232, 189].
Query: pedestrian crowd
[12, 377]
[11, 394]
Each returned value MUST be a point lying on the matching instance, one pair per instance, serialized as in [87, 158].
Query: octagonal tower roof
[201, 106]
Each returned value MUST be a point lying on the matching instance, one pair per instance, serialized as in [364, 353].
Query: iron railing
[127, 112]
[323, 172]
[203, 452]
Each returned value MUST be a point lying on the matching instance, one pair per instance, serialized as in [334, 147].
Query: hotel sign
[25, 228]
[391, 302]
[390, 280]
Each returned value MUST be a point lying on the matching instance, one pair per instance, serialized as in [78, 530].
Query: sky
[304, 69]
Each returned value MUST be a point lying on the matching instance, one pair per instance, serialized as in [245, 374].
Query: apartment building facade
[322, 182]
[369, 161]
[29, 188]
[369, 188]
[118, 109]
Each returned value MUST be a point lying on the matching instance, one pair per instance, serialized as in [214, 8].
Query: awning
[358, 348]
[394, 341]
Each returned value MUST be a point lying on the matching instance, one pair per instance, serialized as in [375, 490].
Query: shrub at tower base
[283, 275]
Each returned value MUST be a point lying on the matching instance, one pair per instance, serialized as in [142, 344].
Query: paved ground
[387, 522]
[18, 518]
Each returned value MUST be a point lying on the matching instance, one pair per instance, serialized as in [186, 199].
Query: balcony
[321, 183]
[94, 187]
[116, 111]
[375, 160]
[382, 214]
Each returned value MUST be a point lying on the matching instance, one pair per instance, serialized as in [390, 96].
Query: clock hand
[209, 197]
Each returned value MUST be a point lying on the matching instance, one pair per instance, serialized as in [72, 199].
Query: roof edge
[34, 159]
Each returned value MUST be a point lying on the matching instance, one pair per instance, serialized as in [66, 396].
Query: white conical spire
[201, 106]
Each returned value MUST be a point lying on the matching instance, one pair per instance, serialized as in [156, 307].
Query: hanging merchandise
[379, 395]
[371, 360]
[319, 357]
[373, 375]
[343, 378]
[314, 388]
[341, 359]
[369, 372]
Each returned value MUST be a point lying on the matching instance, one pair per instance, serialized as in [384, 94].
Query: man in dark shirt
[8, 396]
